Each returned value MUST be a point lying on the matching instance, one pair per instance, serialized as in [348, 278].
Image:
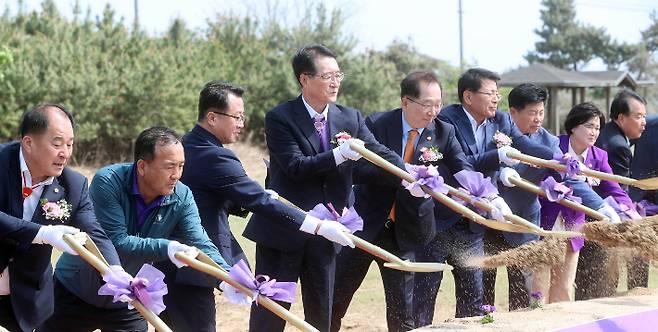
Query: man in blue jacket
[33, 172]
[149, 216]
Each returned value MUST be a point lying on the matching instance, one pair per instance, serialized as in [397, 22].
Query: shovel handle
[268, 303]
[526, 185]
[101, 265]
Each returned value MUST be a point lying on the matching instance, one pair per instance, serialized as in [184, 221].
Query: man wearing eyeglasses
[393, 219]
[476, 120]
[309, 166]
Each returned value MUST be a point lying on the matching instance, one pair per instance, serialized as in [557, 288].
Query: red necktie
[408, 156]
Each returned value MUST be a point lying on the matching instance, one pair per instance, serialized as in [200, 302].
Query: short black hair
[582, 113]
[620, 103]
[35, 121]
[304, 60]
[525, 94]
[152, 137]
[472, 79]
[215, 95]
[409, 87]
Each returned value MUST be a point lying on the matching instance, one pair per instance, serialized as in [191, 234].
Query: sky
[497, 34]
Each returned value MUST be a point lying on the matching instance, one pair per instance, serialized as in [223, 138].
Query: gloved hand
[505, 174]
[344, 152]
[329, 229]
[502, 155]
[54, 236]
[610, 212]
[233, 295]
[272, 193]
[499, 204]
[174, 247]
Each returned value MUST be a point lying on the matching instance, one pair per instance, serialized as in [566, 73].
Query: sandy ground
[557, 315]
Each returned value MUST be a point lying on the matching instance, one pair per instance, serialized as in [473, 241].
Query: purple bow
[477, 185]
[147, 286]
[350, 218]
[646, 208]
[572, 164]
[622, 209]
[556, 191]
[425, 175]
[263, 285]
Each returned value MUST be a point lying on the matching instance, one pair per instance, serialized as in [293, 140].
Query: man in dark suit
[400, 230]
[219, 183]
[34, 173]
[475, 120]
[645, 163]
[627, 122]
[309, 165]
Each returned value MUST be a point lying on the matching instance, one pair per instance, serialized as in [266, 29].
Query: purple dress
[597, 159]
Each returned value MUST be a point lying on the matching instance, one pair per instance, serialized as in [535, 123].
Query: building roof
[550, 76]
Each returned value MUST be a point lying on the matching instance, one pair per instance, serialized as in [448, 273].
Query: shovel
[644, 184]
[206, 265]
[90, 253]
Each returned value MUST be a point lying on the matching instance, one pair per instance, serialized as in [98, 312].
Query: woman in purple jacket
[595, 274]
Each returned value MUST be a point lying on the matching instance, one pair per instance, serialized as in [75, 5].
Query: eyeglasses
[240, 118]
[491, 94]
[426, 107]
[328, 77]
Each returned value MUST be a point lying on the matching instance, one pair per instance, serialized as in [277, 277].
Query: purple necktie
[321, 128]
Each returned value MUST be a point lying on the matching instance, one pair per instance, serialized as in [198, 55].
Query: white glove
[174, 247]
[233, 295]
[505, 174]
[54, 236]
[502, 208]
[502, 155]
[272, 193]
[610, 212]
[329, 229]
[344, 152]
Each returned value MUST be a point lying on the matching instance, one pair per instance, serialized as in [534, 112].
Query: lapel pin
[56, 190]
[429, 138]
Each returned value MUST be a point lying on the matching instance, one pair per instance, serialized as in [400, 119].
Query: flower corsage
[430, 154]
[500, 139]
[60, 210]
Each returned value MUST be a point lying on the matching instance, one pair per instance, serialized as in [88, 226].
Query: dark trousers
[454, 246]
[74, 315]
[638, 272]
[597, 273]
[315, 266]
[7, 317]
[189, 308]
[519, 281]
[351, 268]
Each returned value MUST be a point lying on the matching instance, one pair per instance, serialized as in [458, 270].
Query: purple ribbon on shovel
[571, 162]
[646, 208]
[350, 218]
[556, 191]
[625, 212]
[147, 286]
[425, 175]
[262, 285]
[479, 187]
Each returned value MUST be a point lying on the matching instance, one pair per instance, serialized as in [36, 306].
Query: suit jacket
[614, 142]
[487, 161]
[30, 270]
[415, 222]
[219, 184]
[300, 172]
[645, 162]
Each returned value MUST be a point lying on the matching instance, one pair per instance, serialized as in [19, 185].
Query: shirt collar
[27, 176]
[312, 113]
[471, 119]
[406, 126]
[583, 156]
